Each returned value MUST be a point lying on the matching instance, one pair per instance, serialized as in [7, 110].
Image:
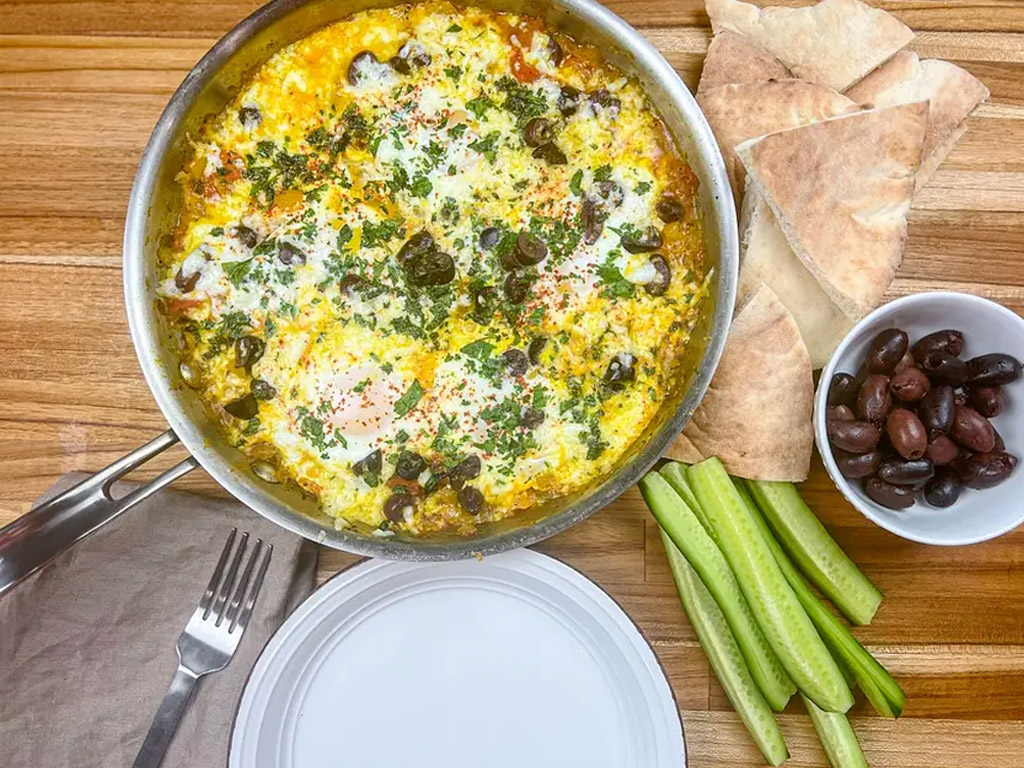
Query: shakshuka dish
[434, 264]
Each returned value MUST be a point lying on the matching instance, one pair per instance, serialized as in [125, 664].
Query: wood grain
[82, 83]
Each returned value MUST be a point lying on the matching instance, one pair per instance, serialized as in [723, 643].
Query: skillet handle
[38, 536]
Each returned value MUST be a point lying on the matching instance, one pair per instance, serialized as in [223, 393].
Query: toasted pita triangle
[733, 58]
[841, 190]
[756, 415]
[833, 43]
[767, 258]
[738, 112]
[952, 93]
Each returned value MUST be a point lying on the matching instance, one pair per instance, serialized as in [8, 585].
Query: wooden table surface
[81, 85]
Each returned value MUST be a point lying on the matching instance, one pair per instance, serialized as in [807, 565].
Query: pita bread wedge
[738, 112]
[685, 451]
[756, 415]
[833, 43]
[767, 258]
[841, 190]
[952, 93]
[733, 58]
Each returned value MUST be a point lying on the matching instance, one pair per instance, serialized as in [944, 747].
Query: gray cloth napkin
[87, 644]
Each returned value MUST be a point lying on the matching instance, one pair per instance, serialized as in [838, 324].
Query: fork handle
[168, 716]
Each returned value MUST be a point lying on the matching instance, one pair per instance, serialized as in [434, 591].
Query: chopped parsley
[453, 72]
[603, 173]
[344, 236]
[642, 188]
[486, 145]
[615, 285]
[237, 271]
[576, 183]
[381, 232]
[408, 401]
[523, 102]
[479, 105]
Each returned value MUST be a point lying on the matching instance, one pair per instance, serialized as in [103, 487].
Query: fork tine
[229, 581]
[243, 618]
[215, 579]
[243, 585]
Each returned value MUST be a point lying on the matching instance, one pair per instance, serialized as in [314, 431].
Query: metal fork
[210, 638]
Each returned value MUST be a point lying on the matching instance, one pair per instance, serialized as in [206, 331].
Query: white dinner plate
[516, 661]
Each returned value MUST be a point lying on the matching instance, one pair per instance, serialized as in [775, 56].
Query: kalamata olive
[244, 407]
[942, 490]
[262, 389]
[532, 418]
[1000, 445]
[988, 401]
[371, 463]
[538, 131]
[361, 62]
[840, 413]
[289, 253]
[936, 409]
[906, 433]
[516, 361]
[465, 470]
[873, 399]
[857, 465]
[568, 100]
[642, 241]
[516, 287]
[410, 465]
[889, 495]
[941, 451]
[550, 154]
[418, 243]
[659, 285]
[248, 350]
[471, 500]
[961, 394]
[907, 361]
[948, 341]
[530, 249]
[853, 436]
[909, 385]
[993, 369]
[186, 283]
[886, 349]
[620, 371]
[431, 268]
[485, 300]
[400, 65]
[246, 236]
[509, 259]
[972, 430]
[984, 470]
[592, 220]
[555, 52]
[489, 238]
[415, 54]
[842, 390]
[536, 347]
[249, 117]
[669, 208]
[944, 367]
[602, 101]
[398, 505]
[906, 472]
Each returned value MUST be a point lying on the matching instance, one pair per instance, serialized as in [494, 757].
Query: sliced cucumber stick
[675, 473]
[837, 737]
[725, 657]
[673, 514]
[814, 551]
[782, 618]
[878, 685]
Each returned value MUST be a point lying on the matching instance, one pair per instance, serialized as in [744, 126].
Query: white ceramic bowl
[987, 327]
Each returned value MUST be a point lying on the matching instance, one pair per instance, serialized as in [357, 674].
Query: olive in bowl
[950, 423]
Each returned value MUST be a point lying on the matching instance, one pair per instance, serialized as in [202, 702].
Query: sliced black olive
[568, 101]
[555, 52]
[489, 238]
[186, 283]
[660, 284]
[250, 117]
[610, 193]
[530, 249]
[288, 253]
[642, 241]
[248, 349]
[431, 268]
[509, 259]
[471, 500]
[371, 463]
[465, 470]
[516, 361]
[669, 208]
[359, 62]
[418, 243]
[400, 65]
[244, 407]
[262, 389]
[538, 131]
[517, 288]
[550, 154]
[415, 54]
[537, 344]
[246, 236]
[603, 101]
[485, 301]
[621, 370]
[592, 220]
[410, 465]
[532, 418]
[397, 505]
